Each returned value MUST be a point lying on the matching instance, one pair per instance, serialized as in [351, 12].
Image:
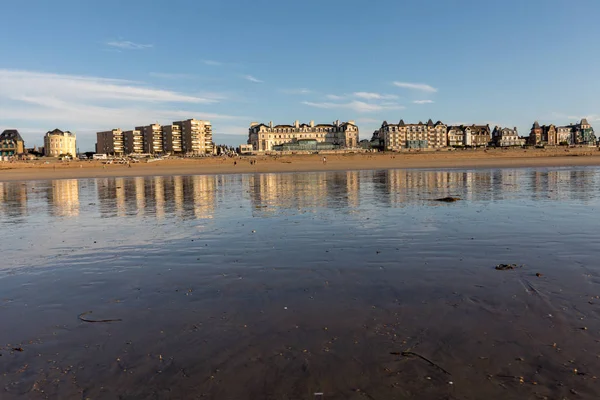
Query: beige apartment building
[57, 143]
[264, 137]
[172, 139]
[110, 142]
[396, 137]
[196, 136]
[133, 141]
[152, 138]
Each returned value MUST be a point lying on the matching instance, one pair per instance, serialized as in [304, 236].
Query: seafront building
[395, 137]
[580, 133]
[110, 142]
[133, 142]
[337, 135]
[506, 137]
[172, 139]
[196, 136]
[193, 137]
[11, 143]
[58, 143]
[152, 137]
[469, 135]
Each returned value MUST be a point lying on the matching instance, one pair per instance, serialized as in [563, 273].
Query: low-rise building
[110, 142]
[133, 142]
[11, 143]
[396, 137]
[506, 137]
[58, 143]
[264, 137]
[469, 135]
[582, 133]
[543, 135]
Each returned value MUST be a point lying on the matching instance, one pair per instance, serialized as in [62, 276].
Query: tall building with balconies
[134, 142]
[110, 142]
[172, 139]
[153, 138]
[196, 136]
[57, 143]
[264, 137]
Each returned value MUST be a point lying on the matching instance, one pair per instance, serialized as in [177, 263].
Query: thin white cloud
[590, 118]
[87, 104]
[416, 86]
[296, 91]
[374, 96]
[423, 101]
[369, 120]
[357, 106]
[252, 79]
[18, 84]
[334, 97]
[212, 63]
[127, 45]
[166, 75]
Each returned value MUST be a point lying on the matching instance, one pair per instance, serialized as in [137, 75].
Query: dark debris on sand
[505, 267]
[448, 199]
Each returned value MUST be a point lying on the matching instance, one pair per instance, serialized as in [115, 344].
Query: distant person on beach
[324, 160]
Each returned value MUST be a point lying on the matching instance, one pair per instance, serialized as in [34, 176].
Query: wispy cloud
[423, 101]
[85, 104]
[252, 79]
[127, 45]
[212, 63]
[296, 91]
[357, 106]
[165, 75]
[416, 86]
[374, 96]
[334, 97]
[369, 120]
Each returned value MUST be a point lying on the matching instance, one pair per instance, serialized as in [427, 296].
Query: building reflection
[160, 197]
[269, 193]
[63, 198]
[13, 199]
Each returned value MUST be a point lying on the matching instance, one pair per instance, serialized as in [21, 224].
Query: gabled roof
[11, 134]
[536, 125]
[401, 123]
[584, 121]
[430, 122]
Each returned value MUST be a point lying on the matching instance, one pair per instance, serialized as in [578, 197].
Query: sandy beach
[491, 158]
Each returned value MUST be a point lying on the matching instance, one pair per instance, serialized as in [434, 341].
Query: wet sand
[355, 285]
[492, 158]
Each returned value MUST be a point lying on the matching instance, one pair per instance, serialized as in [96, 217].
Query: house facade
[469, 135]
[396, 137]
[543, 135]
[11, 143]
[57, 143]
[506, 137]
[270, 137]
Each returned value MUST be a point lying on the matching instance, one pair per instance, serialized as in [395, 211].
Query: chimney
[297, 124]
[312, 123]
[270, 124]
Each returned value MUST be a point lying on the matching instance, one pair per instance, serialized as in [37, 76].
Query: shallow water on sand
[357, 285]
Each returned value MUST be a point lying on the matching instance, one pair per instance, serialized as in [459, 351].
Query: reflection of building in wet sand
[13, 199]
[63, 198]
[409, 186]
[304, 192]
[181, 196]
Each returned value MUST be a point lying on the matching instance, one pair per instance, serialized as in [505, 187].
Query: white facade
[57, 143]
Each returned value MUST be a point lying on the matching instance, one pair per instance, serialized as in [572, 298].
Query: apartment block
[134, 142]
[196, 136]
[172, 139]
[110, 142]
[153, 138]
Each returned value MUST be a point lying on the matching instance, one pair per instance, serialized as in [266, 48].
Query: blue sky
[88, 66]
